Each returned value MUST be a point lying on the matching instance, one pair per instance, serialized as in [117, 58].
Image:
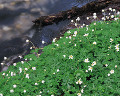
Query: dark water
[16, 25]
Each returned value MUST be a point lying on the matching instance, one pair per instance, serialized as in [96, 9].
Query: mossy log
[94, 6]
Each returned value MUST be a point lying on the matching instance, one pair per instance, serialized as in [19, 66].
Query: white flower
[72, 21]
[106, 65]
[90, 68]
[111, 39]
[117, 49]
[78, 19]
[84, 86]
[75, 32]
[86, 60]
[92, 29]
[1, 94]
[57, 44]
[24, 91]
[14, 74]
[40, 91]
[27, 40]
[118, 13]
[64, 56]
[11, 91]
[94, 17]
[52, 95]
[36, 83]
[66, 37]
[103, 10]
[30, 47]
[86, 28]
[58, 70]
[94, 23]
[20, 57]
[107, 17]
[115, 66]
[20, 69]
[110, 9]
[82, 91]
[43, 42]
[116, 19]
[30, 58]
[22, 62]
[108, 74]
[68, 32]
[11, 73]
[79, 81]
[75, 45]
[14, 86]
[43, 81]
[83, 24]
[86, 71]
[2, 63]
[70, 42]
[54, 39]
[103, 18]
[86, 34]
[14, 64]
[26, 69]
[117, 46]
[94, 63]
[54, 73]
[69, 37]
[94, 43]
[34, 68]
[112, 71]
[112, 16]
[3, 74]
[70, 57]
[109, 47]
[94, 14]
[79, 94]
[87, 18]
[113, 9]
[5, 58]
[76, 24]
[27, 76]
[74, 35]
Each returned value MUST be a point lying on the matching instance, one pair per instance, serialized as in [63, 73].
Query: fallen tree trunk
[94, 6]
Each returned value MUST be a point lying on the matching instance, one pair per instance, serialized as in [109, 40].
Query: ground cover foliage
[84, 62]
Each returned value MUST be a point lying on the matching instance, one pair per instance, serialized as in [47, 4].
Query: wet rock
[10, 49]
[94, 6]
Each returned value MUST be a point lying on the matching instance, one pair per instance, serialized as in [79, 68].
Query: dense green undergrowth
[83, 62]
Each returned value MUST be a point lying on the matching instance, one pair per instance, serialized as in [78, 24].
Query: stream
[16, 25]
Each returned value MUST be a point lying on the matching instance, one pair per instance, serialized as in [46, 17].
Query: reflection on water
[16, 15]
